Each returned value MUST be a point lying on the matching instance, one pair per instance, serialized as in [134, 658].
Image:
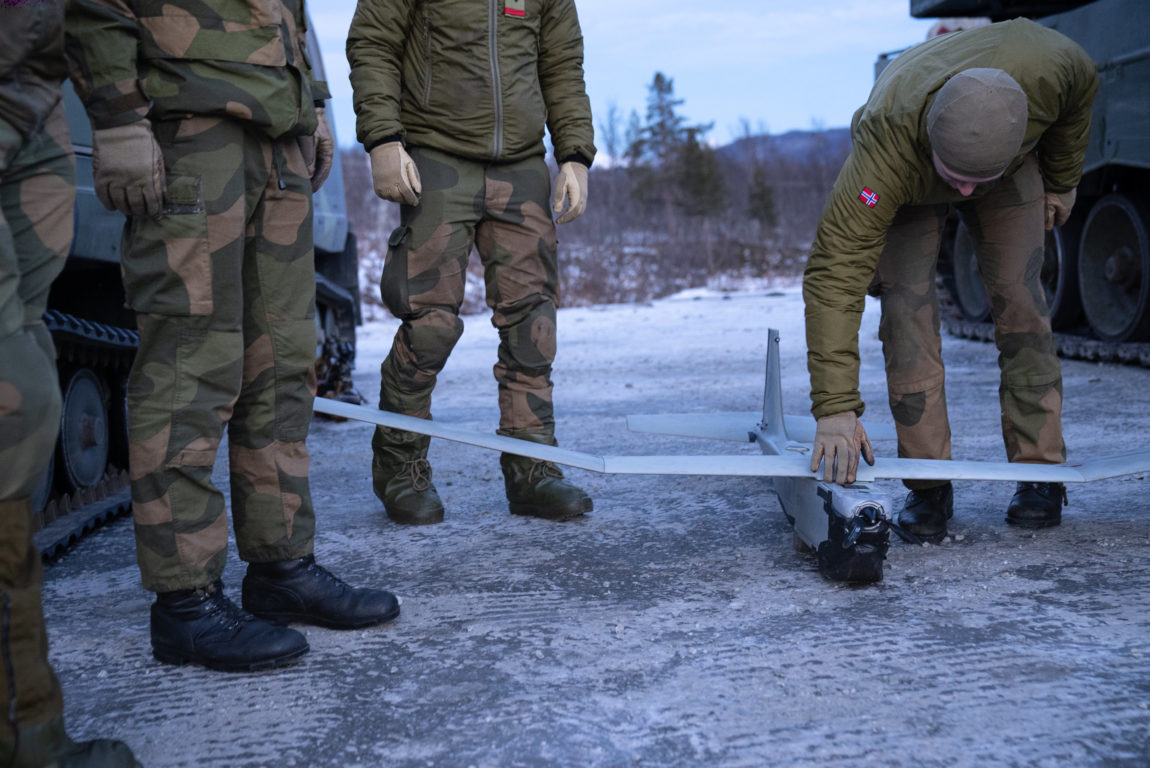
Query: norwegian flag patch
[869, 197]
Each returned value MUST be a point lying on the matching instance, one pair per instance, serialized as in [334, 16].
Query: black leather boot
[1036, 505]
[203, 626]
[926, 512]
[300, 590]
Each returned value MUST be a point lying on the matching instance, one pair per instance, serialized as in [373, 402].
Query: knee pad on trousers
[528, 339]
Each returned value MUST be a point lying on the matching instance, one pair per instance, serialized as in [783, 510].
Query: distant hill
[794, 145]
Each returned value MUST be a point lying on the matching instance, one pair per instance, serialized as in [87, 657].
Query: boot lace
[315, 568]
[419, 470]
[541, 470]
[227, 613]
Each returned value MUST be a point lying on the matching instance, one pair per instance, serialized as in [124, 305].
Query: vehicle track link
[68, 517]
[1068, 345]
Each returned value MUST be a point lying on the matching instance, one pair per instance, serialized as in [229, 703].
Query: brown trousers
[1006, 225]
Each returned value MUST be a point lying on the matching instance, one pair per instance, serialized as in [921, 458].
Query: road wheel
[84, 438]
[1114, 269]
[1060, 277]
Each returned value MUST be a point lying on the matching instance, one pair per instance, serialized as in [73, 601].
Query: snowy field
[675, 625]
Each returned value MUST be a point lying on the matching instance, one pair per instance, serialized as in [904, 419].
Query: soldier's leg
[37, 190]
[912, 350]
[271, 499]
[517, 242]
[422, 284]
[37, 193]
[1006, 226]
[183, 274]
[909, 330]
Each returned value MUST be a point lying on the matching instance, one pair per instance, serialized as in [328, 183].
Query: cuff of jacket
[370, 145]
[575, 158]
[117, 104]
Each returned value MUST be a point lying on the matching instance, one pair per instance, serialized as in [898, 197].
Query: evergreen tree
[698, 179]
[761, 198]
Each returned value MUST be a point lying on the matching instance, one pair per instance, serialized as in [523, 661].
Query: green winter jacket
[475, 78]
[890, 165]
[31, 61]
[166, 59]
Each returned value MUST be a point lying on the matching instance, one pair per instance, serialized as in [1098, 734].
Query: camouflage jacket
[164, 59]
[890, 166]
[476, 79]
[31, 61]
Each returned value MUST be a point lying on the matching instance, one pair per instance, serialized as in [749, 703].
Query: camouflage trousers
[37, 192]
[501, 209]
[1006, 225]
[224, 289]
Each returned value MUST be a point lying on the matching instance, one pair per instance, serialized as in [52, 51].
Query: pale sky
[779, 64]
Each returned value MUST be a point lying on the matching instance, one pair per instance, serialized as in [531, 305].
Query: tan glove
[128, 169]
[394, 175]
[1058, 206]
[839, 438]
[318, 151]
[570, 185]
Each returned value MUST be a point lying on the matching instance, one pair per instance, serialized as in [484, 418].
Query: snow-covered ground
[675, 625]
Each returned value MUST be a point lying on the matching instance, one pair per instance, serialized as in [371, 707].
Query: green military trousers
[224, 289]
[1006, 225]
[501, 209]
[37, 193]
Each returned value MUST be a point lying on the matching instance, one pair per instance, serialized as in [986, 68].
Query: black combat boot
[926, 512]
[35, 746]
[537, 488]
[300, 590]
[1036, 505]
[401, 477]
[203, 626]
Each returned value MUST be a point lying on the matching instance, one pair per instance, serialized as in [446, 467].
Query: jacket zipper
[496, 85]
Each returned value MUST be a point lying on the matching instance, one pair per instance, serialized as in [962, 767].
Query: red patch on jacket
[869, 197]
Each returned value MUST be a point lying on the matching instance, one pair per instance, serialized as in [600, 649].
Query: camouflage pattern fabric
[1006, 225]
[502, 209]
[223, 285]
[37, 192]
[31, 61]
[245, 59]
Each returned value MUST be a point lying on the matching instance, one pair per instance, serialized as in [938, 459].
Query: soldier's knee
[29, 399]
[431, 335]
[529, 335]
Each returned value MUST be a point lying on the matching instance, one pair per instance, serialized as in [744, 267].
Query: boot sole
[550, 513]
[1033, 524]
[284, 618]
[179, 658]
